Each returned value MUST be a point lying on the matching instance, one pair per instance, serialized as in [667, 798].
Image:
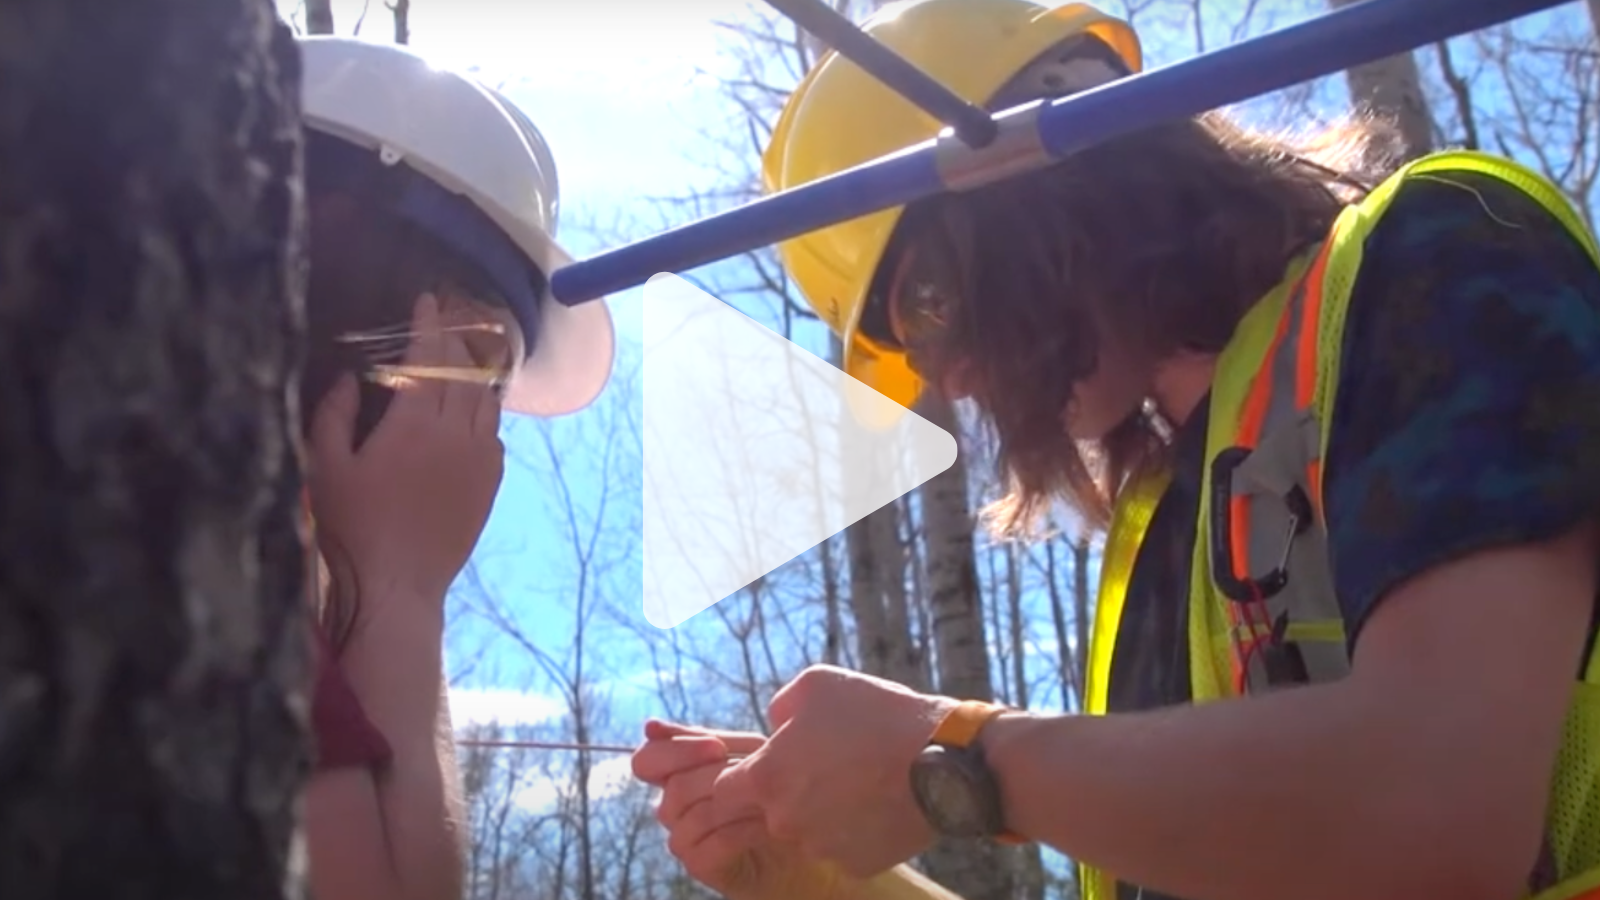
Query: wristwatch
[952, 783]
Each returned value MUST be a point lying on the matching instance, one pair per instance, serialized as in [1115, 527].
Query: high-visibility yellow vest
[1271, 396]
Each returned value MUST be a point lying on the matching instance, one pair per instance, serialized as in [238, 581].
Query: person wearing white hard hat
[432, 205]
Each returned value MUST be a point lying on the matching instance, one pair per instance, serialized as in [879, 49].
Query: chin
[1087, 429]
[1097, 421]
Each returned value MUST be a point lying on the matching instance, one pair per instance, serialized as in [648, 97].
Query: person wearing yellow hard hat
[1340, 422]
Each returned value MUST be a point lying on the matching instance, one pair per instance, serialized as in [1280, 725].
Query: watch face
[955, 796]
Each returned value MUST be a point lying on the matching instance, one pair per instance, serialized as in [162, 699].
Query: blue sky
[620, 92]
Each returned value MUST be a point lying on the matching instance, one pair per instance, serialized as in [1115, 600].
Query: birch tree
[319, 16]
[1392, 88]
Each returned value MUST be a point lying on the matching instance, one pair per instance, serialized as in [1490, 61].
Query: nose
[485, 335]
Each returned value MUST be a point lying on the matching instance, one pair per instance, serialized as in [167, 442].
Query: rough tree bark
[1392, 87]
[153, 641]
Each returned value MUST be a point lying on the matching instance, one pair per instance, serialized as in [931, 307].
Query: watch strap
[961, 726]
[960, 729]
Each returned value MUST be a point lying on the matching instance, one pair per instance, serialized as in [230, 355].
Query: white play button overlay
[755, 450]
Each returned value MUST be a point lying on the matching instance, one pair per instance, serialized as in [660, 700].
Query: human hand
[405, 510]
[734, 856]
[835, 776]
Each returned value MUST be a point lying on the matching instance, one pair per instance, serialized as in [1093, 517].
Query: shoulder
[1455, 239]
[1464, 277]
[1467, 411]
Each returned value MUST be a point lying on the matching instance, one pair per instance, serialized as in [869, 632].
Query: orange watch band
[960, 728]
[964, 722]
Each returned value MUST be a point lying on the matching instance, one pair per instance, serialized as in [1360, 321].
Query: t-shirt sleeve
[344, 735]
[1468, 406]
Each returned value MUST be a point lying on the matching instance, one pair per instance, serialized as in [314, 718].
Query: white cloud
[542, 779]
[607, 779]
[502, 706]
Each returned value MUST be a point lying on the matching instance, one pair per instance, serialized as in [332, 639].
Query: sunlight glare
[637, 47]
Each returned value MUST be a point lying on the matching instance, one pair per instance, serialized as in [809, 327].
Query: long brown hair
[1166, 237]
[367, 269]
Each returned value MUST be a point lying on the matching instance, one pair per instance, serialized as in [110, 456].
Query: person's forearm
[1307, 793]
[394, 661]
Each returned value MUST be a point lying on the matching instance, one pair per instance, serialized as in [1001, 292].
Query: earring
[1155, 421]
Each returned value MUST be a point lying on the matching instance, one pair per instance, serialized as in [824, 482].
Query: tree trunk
[1392, 88]
[402, 21]
[1066, 659]
[877, 599]
[319, 16]
[907, 664]
[877, 564]
[873, 642]
[153, 644]
[832, 614]
[1082, 608]
[1015, 618]
[952, 581]
[975, 871]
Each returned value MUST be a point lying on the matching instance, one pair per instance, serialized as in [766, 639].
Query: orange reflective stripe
[1252, 418]
[1314, 481]
[1305, 371]
[1308, 362]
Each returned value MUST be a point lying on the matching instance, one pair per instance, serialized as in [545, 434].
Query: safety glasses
[490, 337]
[922, 297]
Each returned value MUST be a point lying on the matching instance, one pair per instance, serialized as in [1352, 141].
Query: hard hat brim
[885, 370]
[572, 360]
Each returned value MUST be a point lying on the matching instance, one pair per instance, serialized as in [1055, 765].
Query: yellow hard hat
[840, 117]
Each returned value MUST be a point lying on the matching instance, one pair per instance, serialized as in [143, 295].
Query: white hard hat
[476, 145]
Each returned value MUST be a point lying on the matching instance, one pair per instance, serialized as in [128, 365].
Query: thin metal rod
[560, 745]
[546, 745]
[1330, 43]
[971, 123]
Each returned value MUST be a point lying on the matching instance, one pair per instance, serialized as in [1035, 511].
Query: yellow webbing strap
[1135, 507]
[1131, 518]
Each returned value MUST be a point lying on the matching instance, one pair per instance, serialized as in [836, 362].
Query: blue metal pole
[972, 123]
[1035, 134]
[1330, 43]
